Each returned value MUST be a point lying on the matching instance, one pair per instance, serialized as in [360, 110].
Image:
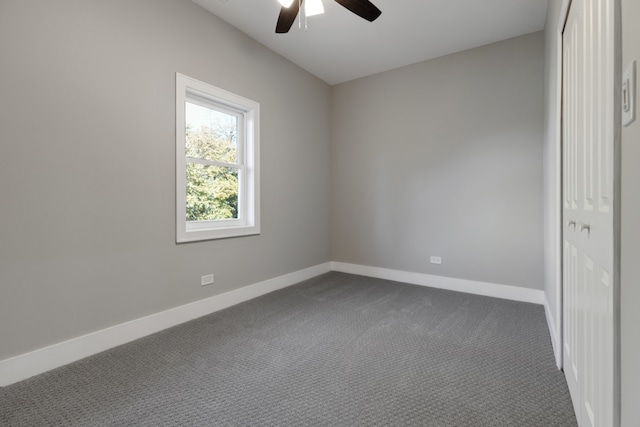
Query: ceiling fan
[363, 8]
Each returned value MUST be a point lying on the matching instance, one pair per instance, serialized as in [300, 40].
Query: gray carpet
[336, 350]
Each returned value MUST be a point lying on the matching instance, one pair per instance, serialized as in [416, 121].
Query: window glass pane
[210, 134]
[212, 192]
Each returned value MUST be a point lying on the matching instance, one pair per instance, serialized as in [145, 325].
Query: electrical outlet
[206, 280]
[436, 260]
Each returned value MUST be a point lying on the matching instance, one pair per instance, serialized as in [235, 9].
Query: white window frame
[248, 113]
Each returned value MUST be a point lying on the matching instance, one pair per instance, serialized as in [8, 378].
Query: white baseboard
[460, 285]
[42, 360]
[555, 338]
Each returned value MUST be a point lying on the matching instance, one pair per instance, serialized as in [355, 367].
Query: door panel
[588, 136]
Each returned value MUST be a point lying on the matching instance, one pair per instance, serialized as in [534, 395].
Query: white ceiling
[340, 46]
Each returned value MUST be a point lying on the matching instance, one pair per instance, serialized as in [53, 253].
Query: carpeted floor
[336, 350]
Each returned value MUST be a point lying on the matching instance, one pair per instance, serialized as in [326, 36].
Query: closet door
[588, 187]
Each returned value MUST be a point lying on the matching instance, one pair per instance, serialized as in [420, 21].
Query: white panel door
[588, 242]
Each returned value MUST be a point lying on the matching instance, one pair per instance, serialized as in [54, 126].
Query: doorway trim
[557, 195]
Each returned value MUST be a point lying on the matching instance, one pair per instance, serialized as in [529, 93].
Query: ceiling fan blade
[287, 17]
[363, 8]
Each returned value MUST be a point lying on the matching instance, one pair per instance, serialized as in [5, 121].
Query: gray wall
[630, 268]
[87, 163]
[444, 158]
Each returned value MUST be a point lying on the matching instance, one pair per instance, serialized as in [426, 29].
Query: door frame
[557, 199]
[557, 196]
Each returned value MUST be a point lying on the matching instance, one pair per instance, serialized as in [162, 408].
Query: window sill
[217, 233]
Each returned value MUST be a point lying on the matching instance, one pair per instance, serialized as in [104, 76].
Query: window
[217, 163]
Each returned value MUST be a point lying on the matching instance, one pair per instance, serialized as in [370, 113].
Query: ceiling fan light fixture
[363, 8]
[285, 3]
[313, 7]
